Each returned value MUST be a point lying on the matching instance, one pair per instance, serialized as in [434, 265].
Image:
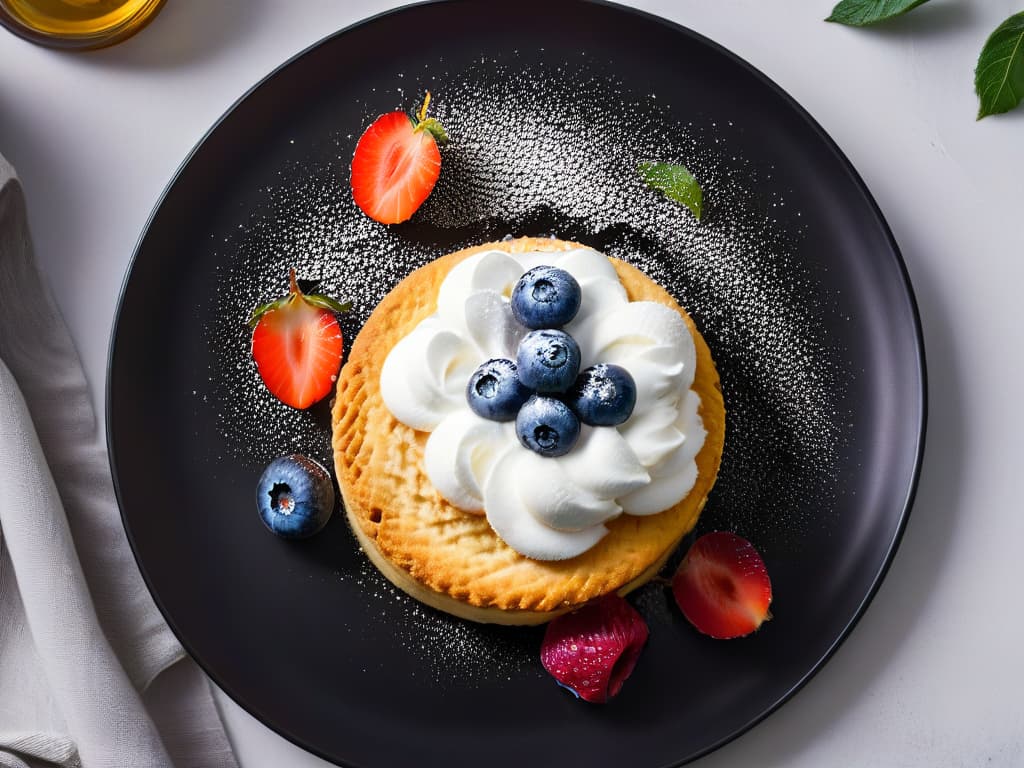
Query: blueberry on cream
[548, 360]
[547, 426]
[546, 297]
[603, 395]
[495, 392]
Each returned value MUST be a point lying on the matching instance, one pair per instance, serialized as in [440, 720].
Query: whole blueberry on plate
[547, 426]
[603, 395]
[545, 297]
[495, 392]
[548, 360]
[295, 496]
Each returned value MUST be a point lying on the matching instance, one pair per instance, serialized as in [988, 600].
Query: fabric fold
[80, 636]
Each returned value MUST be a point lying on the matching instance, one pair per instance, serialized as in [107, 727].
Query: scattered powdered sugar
[539, 150]
[448, 650]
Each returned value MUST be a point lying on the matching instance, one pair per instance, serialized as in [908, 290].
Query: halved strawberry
[722, 586]
[396, 164]
[297, 345]
[592, 651]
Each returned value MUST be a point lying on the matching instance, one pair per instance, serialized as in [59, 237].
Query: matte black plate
[792, 275]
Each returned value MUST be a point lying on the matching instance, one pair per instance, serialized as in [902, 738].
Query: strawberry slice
[722, 586]
[297, 345]
[593, 650]
[396, 164]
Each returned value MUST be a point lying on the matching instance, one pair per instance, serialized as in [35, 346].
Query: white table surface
[931, 675]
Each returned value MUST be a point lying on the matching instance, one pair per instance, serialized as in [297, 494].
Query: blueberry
[603, 395]
[495, 392]
[547, 426]
[548, 360]
[295, 496]
[546, 297]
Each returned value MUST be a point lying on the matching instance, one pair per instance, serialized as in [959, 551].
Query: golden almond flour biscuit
[452, 559]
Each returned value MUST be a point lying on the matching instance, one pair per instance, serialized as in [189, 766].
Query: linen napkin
[80, 637]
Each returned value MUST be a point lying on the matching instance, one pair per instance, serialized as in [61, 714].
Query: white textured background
[930, 677]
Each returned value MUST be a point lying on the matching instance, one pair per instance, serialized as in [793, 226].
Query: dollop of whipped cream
[549, 508]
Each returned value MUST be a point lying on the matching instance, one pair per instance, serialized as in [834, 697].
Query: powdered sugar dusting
[539, 150]
[449, 650]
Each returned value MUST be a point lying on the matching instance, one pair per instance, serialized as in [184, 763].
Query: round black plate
[791, 274]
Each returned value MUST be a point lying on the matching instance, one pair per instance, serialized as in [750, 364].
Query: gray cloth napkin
[80, 637]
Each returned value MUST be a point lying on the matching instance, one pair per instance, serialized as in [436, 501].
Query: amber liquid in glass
[76, 23]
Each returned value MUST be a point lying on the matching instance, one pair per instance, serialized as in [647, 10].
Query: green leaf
[421, 122]
[676, 182]
[326, 302]
[861, 13]
[315, 299]
[261, 310]
[999, 76]
[434, 128]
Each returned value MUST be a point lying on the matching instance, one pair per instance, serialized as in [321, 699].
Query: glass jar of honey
[77, 24]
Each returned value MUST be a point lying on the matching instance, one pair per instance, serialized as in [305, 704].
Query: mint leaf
[999, 76]
[676, 182]
[861, 13]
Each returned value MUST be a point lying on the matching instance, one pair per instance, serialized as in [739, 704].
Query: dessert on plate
[525, 426]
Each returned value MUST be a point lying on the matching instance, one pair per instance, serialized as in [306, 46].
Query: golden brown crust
[451, 559]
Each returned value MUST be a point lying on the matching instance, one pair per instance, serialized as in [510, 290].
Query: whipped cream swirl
[549, 508]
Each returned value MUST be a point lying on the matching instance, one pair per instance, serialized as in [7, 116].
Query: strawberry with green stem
[396, 164]
[297, 345]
